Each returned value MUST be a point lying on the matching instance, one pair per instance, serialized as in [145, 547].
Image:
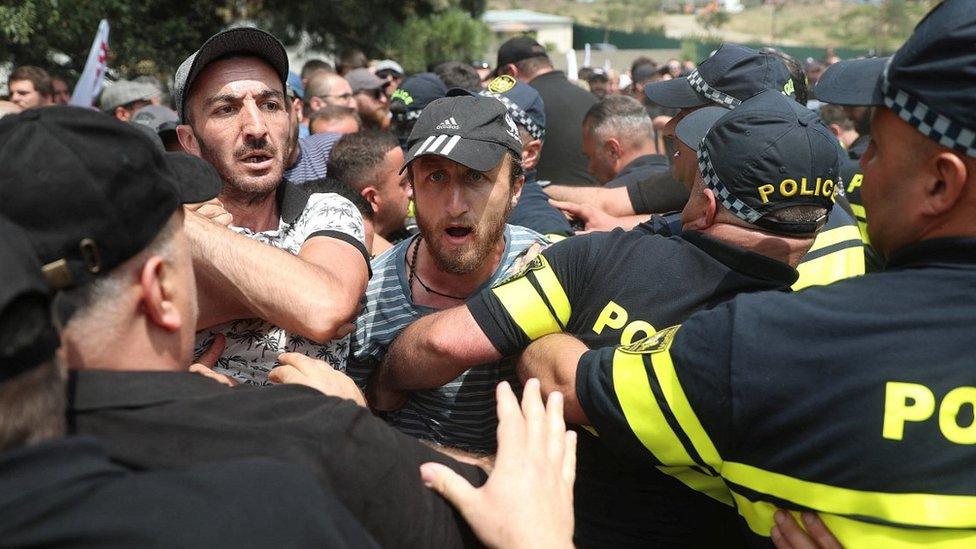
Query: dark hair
[351, 59]
[796, 74]
[642, 61]
[357, 156]
[529, 67]
[313, 65]
[333, 112]
[332, 185]
[458, 75]
[835, 114]
[37, 76]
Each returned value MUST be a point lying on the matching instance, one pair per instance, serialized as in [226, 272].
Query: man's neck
[456, 285]
[783, 249]
[539, 73]
[141, 353]
[257, 213]
[629, 156]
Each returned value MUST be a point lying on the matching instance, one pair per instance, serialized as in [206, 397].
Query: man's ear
[836, 130]
[699, 212]
[613, 148]
[188, 139]
[530, 154]
[157, 283]
[946, 185]
[315, 103]
[509, 69]
[372, 196]
[122, 114]
[517, 189]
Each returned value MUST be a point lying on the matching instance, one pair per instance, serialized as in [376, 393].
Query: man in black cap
[611, 288]
[409, 100]
[289, 275]
[102, 208]
[464, 166]
[525, 107]
[853, 400]
[56, 490]
[562, 159]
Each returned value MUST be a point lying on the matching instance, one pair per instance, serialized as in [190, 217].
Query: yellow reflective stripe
[859, 211]
[555, 294]
[553, 237]
[647, 422]
[835, 236]
[527, 308]
[930, 510]
[854, 533]
[830, 268]
[862, 222]
[667, 378]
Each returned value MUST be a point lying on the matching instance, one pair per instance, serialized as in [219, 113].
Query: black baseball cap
[415, 93]
[729, 76]
[518, 49]
[471, 130]
[928, 82]
[236, 41]
[89, 190]
[769, 153]
[27, 336]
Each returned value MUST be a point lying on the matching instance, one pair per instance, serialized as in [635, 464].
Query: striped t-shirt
[460, 414]
[313, 155]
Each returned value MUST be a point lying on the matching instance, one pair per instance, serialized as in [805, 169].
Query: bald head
[326, 88]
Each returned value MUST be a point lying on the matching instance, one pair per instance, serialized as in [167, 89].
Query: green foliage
[882, 27]
[449, 35]
[630, 15]
[713, 20]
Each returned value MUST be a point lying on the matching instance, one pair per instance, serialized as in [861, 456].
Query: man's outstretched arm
[553, 360]
[313, 294]
[429, 353]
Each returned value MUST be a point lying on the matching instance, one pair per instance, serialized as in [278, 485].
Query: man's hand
[787, 534]
[213, 210]
[593, 218]
[528, 499]
[302, 370]
[209, 359]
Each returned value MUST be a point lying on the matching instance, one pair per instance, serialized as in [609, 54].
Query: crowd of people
[721, 304]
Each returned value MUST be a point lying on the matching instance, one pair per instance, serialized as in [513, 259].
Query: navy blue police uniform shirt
[533, 211]
[854, 400]
[616, 287]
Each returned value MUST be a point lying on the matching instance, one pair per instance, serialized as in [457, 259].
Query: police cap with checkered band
[472, 130]
[929, 82]
[768, 154]
[729, 76]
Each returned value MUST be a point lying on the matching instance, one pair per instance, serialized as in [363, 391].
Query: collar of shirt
[644, 162]
[742, 260]
[90, 390]
[46, 466]
[935, 251]
[551, 75]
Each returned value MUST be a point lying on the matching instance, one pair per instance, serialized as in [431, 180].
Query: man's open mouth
[458, 232]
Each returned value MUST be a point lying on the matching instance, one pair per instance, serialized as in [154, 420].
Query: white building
[555, 32]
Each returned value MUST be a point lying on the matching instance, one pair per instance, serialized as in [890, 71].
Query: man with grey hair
[619, 143]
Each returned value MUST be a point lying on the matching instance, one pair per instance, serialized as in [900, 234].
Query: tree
[452, 35]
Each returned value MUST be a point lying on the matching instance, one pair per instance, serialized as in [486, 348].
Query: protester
[746, 379]
[562, 160]
[327, 88]
[371, 103]
[464, 166]
[391, 73]
[163, 121]
[334, 119]
[123, 98]
[30, 87]
[617, 141]
[312, 66]
[455, 74]
[60, 92]
[289, 275]
[371, 162]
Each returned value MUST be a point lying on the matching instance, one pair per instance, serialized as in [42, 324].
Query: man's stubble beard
[466, 260]
[244, 191]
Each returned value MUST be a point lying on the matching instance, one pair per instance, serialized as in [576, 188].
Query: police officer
[616, 287]
[732, 74]
[854, 400]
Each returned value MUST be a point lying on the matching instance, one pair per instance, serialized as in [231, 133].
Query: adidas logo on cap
[449, 124]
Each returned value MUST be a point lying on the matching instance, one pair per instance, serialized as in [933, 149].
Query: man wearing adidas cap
[853, 400]
[615, 287]
[464, 163]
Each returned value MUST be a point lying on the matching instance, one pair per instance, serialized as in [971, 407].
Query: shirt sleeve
[657, 193]
[330, 215]
[536, 300]
[665, 400]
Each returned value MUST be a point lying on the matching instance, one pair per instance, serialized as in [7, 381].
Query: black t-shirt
[164, 420]
[533, 211]
[659, 192]
[854, 400]
[562, 160]
[639, 169]
[617, 287]
[66, 492]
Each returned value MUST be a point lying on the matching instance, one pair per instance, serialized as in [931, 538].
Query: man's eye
[226, 109]
[476, 176]
[271, 106]
[437, 177]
